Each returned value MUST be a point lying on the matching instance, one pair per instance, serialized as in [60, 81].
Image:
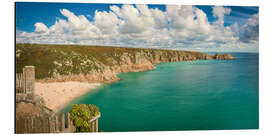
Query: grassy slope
[46, 57]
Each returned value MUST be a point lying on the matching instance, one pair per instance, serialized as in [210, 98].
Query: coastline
[64, 81]
[51, 90]
[66, 90]
[58, 94]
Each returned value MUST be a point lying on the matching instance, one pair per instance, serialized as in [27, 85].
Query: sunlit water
[190, 95]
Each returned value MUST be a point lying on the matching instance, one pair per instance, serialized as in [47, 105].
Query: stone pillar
[52, 122]
[29, 78]
[56, 124]
[96, 125]
[93, 126]
[73, 126]
[63, 122]
[68, 121]
[31, 125]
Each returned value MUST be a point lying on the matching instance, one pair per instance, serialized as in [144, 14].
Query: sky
[179, 27]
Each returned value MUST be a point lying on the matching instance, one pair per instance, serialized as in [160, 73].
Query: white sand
[58, 94]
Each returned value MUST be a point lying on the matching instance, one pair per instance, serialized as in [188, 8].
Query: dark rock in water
[224, 56]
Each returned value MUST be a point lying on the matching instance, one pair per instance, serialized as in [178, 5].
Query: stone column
[73, 126]
[32, 124]
[29, 78]
[56, 124]
[93, 126]
[96, 125]
[63, 121]
[50, 125]
[68, 121]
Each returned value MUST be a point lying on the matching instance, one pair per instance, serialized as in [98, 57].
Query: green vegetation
[81, 115]
[53, 60]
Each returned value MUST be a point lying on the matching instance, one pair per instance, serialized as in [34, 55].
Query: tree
[81, 114]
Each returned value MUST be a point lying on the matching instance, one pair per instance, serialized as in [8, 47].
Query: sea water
[190, 95]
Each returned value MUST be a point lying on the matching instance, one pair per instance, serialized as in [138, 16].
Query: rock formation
[97, 64]
[226, 56]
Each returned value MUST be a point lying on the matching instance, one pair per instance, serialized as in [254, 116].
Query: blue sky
[199, 28]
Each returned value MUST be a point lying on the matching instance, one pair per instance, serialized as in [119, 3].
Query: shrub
[81, 114]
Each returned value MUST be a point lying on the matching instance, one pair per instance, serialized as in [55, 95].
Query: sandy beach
[58, 94]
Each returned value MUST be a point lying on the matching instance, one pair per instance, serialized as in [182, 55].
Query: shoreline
[58, 95]
[76, 88]
[42, 86]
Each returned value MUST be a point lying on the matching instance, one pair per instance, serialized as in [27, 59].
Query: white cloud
[106, 21]
[160, 18]
[76, 23]
[179, 27]
[249, 32]
[191, 26]
[134, 20]
[41, 28]
[181, 17]
[219, 11]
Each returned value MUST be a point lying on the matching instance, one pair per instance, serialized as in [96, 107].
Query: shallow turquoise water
[191, 95]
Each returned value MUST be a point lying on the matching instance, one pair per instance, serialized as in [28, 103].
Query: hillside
[95, 63]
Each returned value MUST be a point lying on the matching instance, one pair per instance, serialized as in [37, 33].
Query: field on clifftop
[54, 60]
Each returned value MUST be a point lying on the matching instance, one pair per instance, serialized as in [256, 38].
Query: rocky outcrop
[223, 56]
[97, 64]
[140, 61]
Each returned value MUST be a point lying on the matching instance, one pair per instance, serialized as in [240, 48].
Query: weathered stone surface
[32, 116]
[29, 75]
[223, 57]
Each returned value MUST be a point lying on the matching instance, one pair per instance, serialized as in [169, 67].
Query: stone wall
[50, 124]
[44, 124]
[25, 81]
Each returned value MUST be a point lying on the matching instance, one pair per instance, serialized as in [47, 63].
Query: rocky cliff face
[140, 61]
[223, 57]
[99, 64]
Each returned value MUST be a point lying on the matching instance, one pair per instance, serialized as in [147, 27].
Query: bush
[81, 114]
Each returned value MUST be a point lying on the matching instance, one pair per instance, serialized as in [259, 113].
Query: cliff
[223, 57]
[96, 63]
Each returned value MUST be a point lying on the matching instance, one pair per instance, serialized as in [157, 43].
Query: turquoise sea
[190, 95]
